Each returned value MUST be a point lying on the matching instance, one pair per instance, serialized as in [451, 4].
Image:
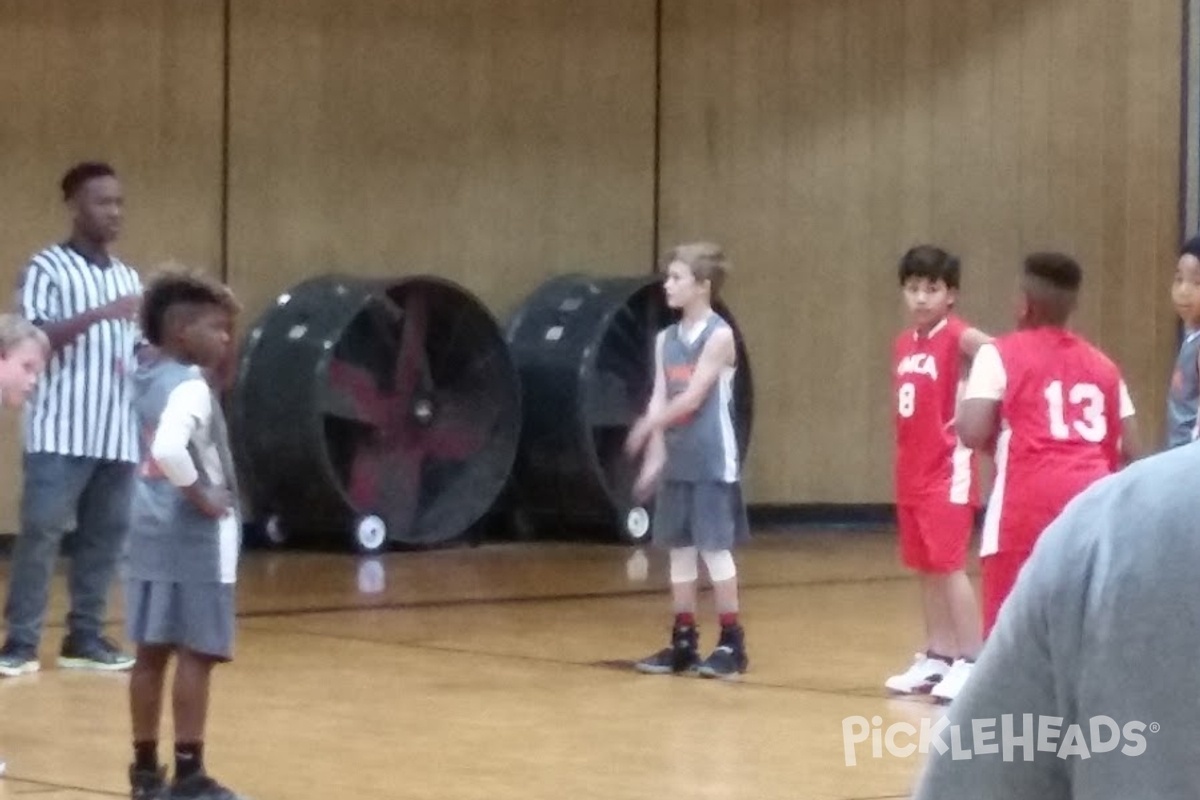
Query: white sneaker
[954, 681]
[924, 674]
[2, 766]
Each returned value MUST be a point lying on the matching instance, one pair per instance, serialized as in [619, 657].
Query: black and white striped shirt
[82, 405]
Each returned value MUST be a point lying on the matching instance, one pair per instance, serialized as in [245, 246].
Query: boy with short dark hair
[1183, 396]
[1058, 414]
[184, 531]
[935, 476]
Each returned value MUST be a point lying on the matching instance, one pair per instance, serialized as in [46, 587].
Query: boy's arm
[1196, 427]
[971, 340]
[640, 433]
[978, 418]
[656, 448]
[188, 406]
[718, 354]
[1131, 440]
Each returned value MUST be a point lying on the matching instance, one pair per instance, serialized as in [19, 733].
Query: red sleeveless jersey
[1060, 432]
[931, 464]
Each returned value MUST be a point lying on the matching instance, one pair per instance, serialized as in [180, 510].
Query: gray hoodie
[1089, 687]
[183, 440]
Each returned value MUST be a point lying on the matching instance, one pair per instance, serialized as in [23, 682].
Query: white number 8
[1093, 427]
[908, 397]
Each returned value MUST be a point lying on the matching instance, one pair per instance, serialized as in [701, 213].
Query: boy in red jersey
[1059, 415]
[935, 485]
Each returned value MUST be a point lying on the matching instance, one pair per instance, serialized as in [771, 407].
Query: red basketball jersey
[930, 461]
[1060, 432]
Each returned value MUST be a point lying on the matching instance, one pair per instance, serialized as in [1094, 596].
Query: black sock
[145, 756]
[189, 759]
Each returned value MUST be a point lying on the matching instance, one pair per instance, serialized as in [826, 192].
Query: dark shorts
[709, 516]
[200, 617]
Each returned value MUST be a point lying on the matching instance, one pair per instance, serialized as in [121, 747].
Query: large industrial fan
[584, 348]
[388, 409]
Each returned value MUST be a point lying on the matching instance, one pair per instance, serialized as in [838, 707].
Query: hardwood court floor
[496, 673]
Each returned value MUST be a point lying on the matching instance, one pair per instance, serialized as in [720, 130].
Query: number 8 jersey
[1061, 406]
[931, 464]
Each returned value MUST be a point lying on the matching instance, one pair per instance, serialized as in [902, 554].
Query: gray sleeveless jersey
[703, 447]
[169, 539]
[1184, 393]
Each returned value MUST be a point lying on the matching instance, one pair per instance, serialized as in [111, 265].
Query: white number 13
[1093, 425]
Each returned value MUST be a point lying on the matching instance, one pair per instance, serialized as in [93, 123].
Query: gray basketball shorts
[200, 616]
[707, 515]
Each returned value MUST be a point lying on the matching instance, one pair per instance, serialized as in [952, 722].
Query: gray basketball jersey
[169, 539]
[704, 446]
[1184, 393]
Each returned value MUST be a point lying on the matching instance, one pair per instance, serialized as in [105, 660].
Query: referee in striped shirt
[81, 446]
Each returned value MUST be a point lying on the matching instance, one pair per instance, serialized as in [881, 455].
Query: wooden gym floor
[502, 672]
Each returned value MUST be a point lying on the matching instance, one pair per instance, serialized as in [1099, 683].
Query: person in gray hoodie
[1088, 687]
[185, 530]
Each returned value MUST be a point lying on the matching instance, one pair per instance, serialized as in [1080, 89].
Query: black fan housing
[389, 408]
[584, 348]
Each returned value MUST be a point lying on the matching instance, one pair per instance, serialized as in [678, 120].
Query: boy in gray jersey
[1183, 395]
[689, 445]
[24, 349]
[1088, 686]
[184, 531]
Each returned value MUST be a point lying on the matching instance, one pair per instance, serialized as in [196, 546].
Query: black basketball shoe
[729, 659]
[201, 787]
[148, 784]
[682, 656]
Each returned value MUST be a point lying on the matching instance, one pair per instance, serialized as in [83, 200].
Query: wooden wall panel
[819, 140]
[134, 82]
[493, 142]
[500, 142]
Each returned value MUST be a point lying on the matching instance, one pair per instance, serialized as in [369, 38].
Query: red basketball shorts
[998, 574]
[934, 535]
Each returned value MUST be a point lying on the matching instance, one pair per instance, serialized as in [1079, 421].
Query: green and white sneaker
[97, 654]
[16, 661]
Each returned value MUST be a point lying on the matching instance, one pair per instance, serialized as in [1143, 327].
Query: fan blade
[629, 350]
[448, 355]
[611, 402]
[363, 486]
[472, 376]
[411, 365]
[398, 497]
[461, 426]
[353, 395]
[385, 479]
[625, 341]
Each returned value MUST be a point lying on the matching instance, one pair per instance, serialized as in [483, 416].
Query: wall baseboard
[776, 515]
[771, 516]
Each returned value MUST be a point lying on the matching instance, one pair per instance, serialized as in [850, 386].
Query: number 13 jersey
[1061, 406]
[931, 464]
